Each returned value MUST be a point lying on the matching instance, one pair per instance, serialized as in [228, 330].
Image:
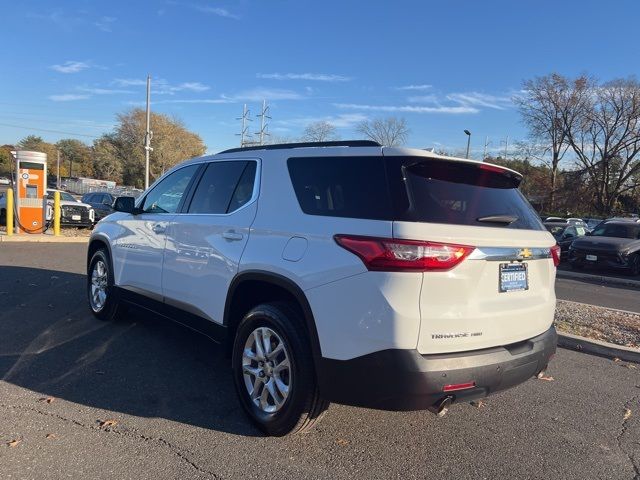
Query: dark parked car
[565, 234]
[613, 244]
[102, 203]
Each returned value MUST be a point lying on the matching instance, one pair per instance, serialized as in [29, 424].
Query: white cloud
[453, 110]
[198, 100]
[318, 77]
[70, 66]
[424, 99]
[259, 94]
[105, 23]
[160, 86]
[129, 82]
[104, 91]
[220, 12]
[414, 87]
[192, 86]
[68, 97]
[481, 100]
[345, 120]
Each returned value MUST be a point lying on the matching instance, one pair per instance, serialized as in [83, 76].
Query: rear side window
[354, 187]
[458, 193]
[412, 189]
[224, 187]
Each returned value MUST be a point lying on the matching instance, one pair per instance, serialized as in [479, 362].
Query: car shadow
[143, 365]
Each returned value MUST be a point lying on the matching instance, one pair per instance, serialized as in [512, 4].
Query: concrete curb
[41, 239]
[596, 347]
[627, 282]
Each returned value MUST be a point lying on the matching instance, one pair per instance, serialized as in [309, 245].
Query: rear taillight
[555, 253]
[393, 255]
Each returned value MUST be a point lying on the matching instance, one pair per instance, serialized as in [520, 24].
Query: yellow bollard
[9, 214]
[56, 214]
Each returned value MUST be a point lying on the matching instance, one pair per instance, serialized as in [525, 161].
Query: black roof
[279, 146]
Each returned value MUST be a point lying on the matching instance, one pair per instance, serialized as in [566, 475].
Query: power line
[49, 131]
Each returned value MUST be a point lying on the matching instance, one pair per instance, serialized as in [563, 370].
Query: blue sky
[444, 66]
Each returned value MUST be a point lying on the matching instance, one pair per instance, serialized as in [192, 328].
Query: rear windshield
[411, 189]
[617, 230]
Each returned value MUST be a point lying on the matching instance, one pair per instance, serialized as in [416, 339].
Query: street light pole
[147, 135]
[468, 133]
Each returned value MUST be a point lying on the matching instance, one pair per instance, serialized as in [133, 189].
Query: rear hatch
[500, 293]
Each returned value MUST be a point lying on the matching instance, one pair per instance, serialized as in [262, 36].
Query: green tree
[106, 163]
[171, 143]
[77, 156]
[6, 159]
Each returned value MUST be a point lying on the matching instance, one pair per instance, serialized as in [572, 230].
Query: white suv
[341, 271]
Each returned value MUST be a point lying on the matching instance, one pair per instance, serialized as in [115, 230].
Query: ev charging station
[31, 190]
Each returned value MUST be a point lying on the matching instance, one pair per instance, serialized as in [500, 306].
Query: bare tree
[389, 131]
[603, 129]
[546, 102]
[319, 132]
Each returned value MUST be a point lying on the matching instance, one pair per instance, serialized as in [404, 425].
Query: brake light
[393, 255]
[555, 253]
[458, 386]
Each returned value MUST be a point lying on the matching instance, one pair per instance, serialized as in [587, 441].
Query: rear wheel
[273, 371]
[103, 297]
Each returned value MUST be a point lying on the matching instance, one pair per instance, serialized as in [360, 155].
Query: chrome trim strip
[508, 254]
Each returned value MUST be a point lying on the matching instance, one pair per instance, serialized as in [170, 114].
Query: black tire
[112, 308]
[635, 265]
[3, 217]
[576, 266]
[303, 406]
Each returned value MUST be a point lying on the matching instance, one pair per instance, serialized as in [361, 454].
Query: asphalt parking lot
[171, 412]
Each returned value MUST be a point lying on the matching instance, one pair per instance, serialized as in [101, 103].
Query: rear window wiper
[506, 219]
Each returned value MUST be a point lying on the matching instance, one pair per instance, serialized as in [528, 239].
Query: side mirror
[125, 204]
[588, 234]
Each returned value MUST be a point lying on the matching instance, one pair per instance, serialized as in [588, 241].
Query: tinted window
[244, 189]
[166, 195]
[440, 191]
[617, 230]
[341, 187]
[218, 186]
[87, 197]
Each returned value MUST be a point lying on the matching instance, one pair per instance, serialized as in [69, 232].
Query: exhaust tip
[441, 407]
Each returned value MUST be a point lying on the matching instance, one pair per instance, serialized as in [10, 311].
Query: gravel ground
[599, 323]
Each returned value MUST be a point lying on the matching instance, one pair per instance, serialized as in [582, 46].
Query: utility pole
[506, 146]
[468, 134]
[486, 144]
[147, 136]
[58, 175]
[263, 125]
[243, 133]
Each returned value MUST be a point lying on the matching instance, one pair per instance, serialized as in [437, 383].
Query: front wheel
[273, 370]
[103, 298]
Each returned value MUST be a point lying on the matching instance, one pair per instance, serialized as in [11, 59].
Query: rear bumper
[406, 380]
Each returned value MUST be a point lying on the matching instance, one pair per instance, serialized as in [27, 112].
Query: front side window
[166, 195]
[224, 187]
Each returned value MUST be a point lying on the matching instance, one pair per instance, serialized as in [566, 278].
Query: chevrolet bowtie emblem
[525, 253]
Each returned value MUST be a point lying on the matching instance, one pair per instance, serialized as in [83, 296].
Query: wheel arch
[252, 287]
[96, 243]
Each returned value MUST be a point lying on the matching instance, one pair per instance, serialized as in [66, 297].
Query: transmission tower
[264, 115]
[244, 136]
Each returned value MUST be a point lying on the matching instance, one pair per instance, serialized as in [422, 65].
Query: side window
[165, 197]
[223, 188]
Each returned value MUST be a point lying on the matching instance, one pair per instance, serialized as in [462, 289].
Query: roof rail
[337, 143]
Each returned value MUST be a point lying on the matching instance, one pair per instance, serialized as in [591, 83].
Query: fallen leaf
[546, 378]
[342, 442]
[47, 399]
[627, 415]
[108, 423]
[478, 404]
[14, 443]
[51, 435]
[631, 366]
[616, 359]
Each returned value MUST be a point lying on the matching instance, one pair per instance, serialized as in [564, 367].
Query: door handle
[232, 235]
[158, 228]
